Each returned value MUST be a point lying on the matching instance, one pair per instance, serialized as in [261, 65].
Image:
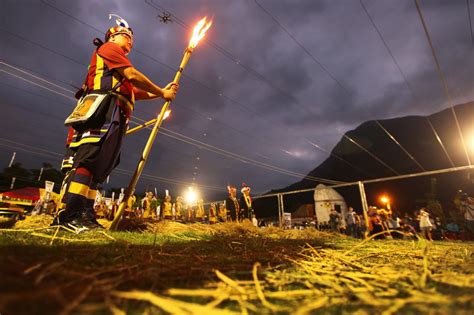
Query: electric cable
[172, 69]
[205, 145]
[54, 155]
[346, 90]
[470, 21]
[442, 78]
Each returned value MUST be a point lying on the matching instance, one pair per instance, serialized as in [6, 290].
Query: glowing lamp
[191, 196]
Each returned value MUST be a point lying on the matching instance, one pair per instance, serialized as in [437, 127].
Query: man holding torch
[97, 150]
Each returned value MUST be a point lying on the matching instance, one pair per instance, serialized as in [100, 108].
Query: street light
[191, 196]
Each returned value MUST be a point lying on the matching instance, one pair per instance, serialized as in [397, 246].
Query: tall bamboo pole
[129, 191]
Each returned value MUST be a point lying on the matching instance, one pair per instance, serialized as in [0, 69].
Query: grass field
[228, 268]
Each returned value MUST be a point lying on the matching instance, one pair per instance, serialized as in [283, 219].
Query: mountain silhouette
[426, 143]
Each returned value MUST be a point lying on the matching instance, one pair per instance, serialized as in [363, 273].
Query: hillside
[418, 138]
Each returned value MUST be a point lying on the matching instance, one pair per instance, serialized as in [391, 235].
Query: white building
[326, 199]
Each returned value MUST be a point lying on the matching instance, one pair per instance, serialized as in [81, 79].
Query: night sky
[273, 78]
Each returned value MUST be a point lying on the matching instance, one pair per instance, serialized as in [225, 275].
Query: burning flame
[167, 114]
[199, 31]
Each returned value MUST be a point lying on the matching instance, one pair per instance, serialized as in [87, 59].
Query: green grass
[199, 269]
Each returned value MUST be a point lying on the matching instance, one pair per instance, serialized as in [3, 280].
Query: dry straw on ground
[323, 273]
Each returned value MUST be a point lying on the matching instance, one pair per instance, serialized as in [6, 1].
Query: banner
[48, 186]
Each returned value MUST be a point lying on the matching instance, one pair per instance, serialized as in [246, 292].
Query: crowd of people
[383, 223]
[178, 209]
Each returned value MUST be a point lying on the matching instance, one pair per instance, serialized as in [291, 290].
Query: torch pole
[146, 151]
[140, 127]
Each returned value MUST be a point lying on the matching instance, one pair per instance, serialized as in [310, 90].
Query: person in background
[467, 209]
[148, 211]
[375, 223]
[334, 220]
[351, 222]
[452, 231]
[189, 213]
[254, 220]
[129, 210]
[425, 224]
[200, 212]
[167, 208]
[212, 214]
[246, 210]
[222, 213]
[394, 224]
[179, 209]
[232, 204]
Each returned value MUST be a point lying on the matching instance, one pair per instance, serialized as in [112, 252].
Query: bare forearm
[149, 89]
[139, 80]
[144, 95]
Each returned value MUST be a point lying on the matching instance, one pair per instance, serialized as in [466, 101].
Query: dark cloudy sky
[274, 77]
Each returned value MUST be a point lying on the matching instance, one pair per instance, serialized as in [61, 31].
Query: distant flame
[199, 31]
[167, 114]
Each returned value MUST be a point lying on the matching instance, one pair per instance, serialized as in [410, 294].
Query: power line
[31, 71]
[339, 83]
[34, 76]
[440, 142]
[299, 175]
[339, 158]
[346, 90]
[232, 155]
[222, 50]
[310, 55]
[172, 69]
[227, 54]
[54, 155]
[248, 160]
[34, 94]
[371, 154]
[404, 79]
[183, 24]
[169, 180]
[216, 149]
[443, 79]
[470, 21]
[43, 47]
[39, 85]
[243, 159]
[408, 85]
[203, 145]
[49, 82]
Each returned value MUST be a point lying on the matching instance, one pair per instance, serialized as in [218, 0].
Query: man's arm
[149, 89]
[144, 95]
